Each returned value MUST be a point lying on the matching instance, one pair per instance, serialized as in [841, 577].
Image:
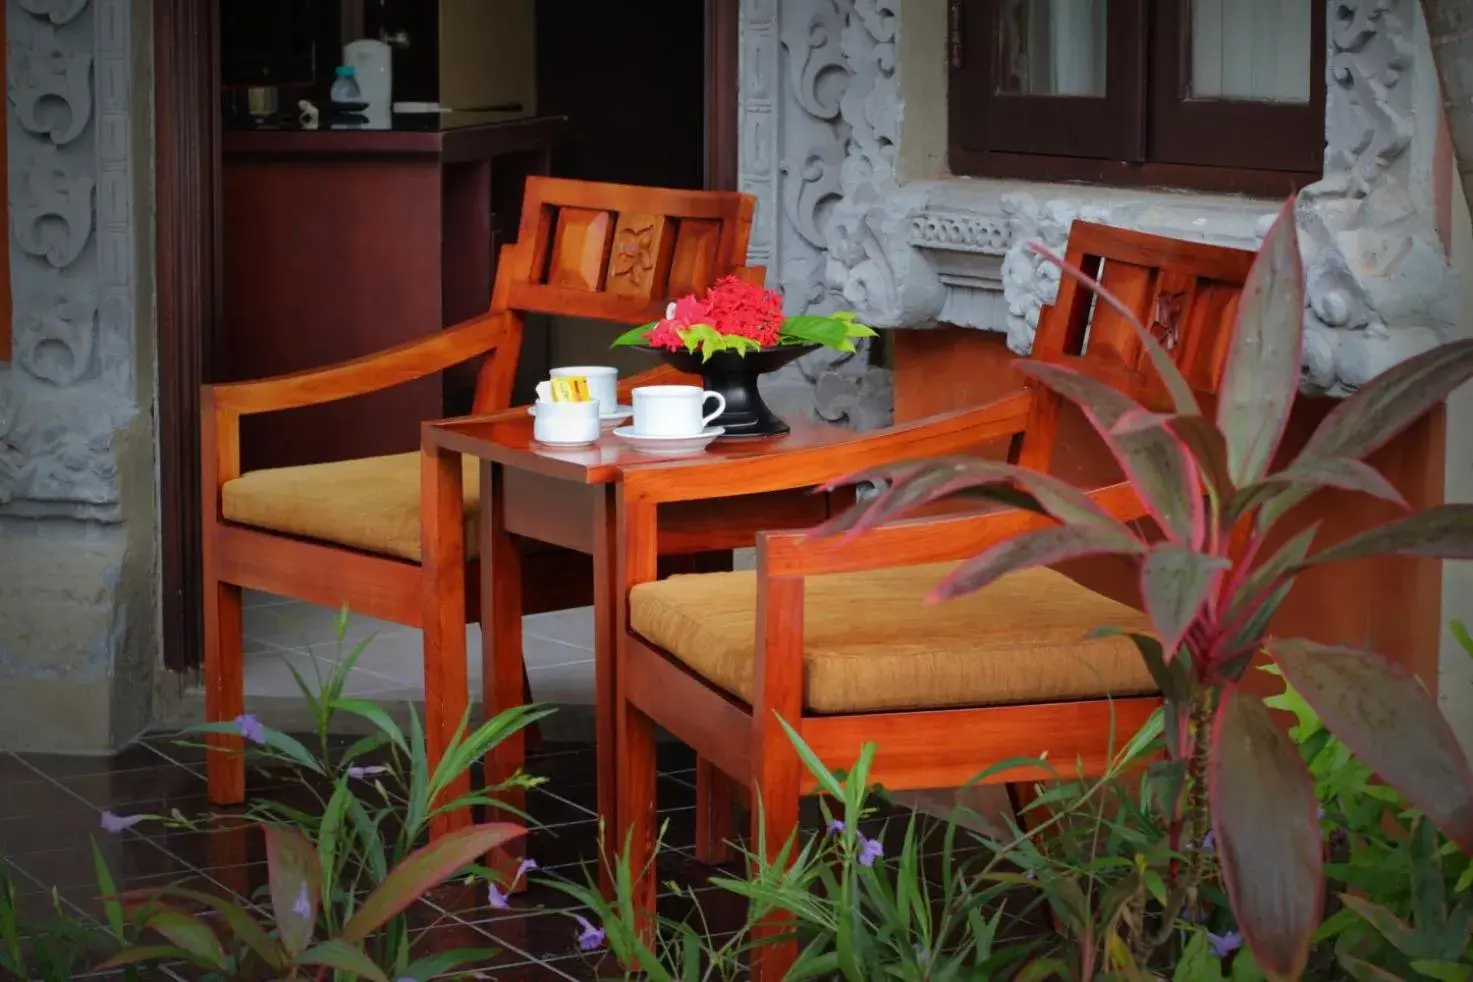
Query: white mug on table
[673, 410]
[565, 422]
[603, 384]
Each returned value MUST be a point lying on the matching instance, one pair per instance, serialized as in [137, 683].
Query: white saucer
[565, 444]
[692, 443]
[619, 415]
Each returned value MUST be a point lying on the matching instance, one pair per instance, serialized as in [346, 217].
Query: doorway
[187, 165]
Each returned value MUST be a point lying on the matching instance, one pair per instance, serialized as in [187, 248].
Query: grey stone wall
[78, 510]
[835, 92]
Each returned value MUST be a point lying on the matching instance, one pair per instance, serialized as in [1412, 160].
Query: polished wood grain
[923, 748]
[433, 594]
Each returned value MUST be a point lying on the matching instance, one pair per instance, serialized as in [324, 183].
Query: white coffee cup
[673, 410]
[603, 384]
[565, 422]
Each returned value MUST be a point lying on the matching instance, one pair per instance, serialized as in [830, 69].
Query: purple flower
[869, 851]
[1030, 875]
[1319, 813]
[1223, 945]
[590, 938]
[1209, 841]
[117, 823]
[494, 894]
[836, 827]
[362, 773]
[303, 905]
[251, 728]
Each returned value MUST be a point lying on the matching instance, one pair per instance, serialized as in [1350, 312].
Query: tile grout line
[131, 834]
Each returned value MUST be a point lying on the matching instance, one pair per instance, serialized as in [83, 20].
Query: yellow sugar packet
[570, 388]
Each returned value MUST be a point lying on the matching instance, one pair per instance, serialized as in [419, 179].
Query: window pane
[1255, 50]
[1052, 47]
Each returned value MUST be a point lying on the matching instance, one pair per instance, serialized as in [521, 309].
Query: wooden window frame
[1146, 131]
[1208, 132]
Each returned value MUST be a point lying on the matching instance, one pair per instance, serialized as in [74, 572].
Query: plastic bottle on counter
[345, 86]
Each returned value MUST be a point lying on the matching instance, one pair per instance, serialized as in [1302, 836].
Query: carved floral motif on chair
[633, 259]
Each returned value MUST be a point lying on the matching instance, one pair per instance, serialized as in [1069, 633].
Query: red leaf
[189, 933]
[1261, 376]
[1391, 402]
[296, 885]
[1345, 473]
[344, 957]
[1263, 811]
[422, 871]
[1269, 574]
[1202, 438]
[1444, 532]
[1175, 584]
[1390, 722]
[1029, 549]
[1156, 461]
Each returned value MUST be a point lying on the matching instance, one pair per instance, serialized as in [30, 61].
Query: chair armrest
[370, 373]
[912, 542]
[775, 468]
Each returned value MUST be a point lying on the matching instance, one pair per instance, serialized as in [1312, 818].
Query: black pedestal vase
[735, 377]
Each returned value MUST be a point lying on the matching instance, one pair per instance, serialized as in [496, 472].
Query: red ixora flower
[731, 306]
[738, 307]
[679, 316]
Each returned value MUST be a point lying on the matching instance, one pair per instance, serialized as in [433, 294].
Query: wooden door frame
[188, 264]
[187, 242]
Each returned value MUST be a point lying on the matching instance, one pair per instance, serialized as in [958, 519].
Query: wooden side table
[566, 498]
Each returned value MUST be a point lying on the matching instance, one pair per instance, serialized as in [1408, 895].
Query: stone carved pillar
[78, 603]
[804, 148]
[910, 255]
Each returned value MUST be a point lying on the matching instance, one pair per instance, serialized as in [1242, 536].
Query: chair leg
[1023, 795]
[224, 690]
[637, 823]
[534, 731]
[775, 794]
[716, 796]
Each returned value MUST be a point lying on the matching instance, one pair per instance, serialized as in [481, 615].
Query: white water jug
[372, 62]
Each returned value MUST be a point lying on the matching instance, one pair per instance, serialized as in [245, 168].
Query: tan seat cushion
[371, 504]
[870, 644]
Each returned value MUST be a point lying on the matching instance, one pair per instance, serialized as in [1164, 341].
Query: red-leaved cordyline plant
[1210, 587]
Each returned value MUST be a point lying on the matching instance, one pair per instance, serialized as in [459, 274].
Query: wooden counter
[340, 243]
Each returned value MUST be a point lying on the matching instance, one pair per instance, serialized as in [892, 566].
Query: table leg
[442, 595]
[503, 674]
[606, 601]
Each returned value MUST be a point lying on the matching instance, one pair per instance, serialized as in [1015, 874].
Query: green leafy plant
[55, 949]
[936, 909]
[1211, 584]
[292, 944]
[1400, 886]
[343, 870]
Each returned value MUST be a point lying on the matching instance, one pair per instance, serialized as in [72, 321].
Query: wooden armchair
[349, 532]
[832, 635]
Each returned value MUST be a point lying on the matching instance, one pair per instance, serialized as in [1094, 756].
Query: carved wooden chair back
[611, 252]
[1185, 293]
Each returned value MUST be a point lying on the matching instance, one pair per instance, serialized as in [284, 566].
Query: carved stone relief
[69, 395]
[819, 118]
[955, 251]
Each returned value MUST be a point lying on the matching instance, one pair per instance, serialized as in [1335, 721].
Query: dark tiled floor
[49, 810]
